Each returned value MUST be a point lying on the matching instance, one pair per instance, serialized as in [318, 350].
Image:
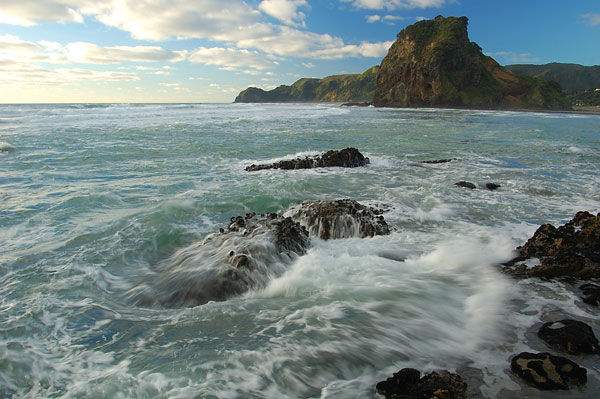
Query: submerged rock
[591, 294]
[492, 186]
[436, 161]
[465, 184]
[408, 384]
[572, 250]
[252, 250]
[546, 371]
[339, 219]
[347, 158]
[570, 336]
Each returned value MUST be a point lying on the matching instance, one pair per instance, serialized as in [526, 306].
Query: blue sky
[209, 50]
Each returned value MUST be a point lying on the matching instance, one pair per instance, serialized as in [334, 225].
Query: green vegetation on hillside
[571, 77]
[433, 63]
[332, 89]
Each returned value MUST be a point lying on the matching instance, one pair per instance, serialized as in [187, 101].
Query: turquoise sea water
[94, 199]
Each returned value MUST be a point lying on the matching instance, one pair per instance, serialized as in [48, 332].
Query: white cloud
[285, 10]
[308, 65]
[29, 12]
[14, 73]
[166, 19]
[394, 4]
[509, 57]
[363, 50]
[388, 19]
[591, 19]
[230, 59]
[89, 53]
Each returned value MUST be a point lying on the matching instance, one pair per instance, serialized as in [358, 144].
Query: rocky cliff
[433, 63]
[332, 89]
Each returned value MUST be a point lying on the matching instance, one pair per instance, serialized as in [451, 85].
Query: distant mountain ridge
[431, 64]
[331, 89]
[571, 77]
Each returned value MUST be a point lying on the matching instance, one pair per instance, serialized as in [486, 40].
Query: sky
[64, 51]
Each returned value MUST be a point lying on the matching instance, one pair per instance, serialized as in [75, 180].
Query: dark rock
[347, 158]
[436, 161]
[492, 186]
[570, 336]
[251, 250]
[465, 184]
[340, 219]
[407, 384]
[591, 294]
[572, 250]
[546, 371]
[365, 104]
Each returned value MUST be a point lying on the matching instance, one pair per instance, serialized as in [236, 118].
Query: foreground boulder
[546, 371]
[571, 336]
[408, 384]
[339, 219]
[346, 158]
[252, 250]
[572, 250]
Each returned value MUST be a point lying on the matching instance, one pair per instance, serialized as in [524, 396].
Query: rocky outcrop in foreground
[434, 64]
[252, 250]
[408, 384]
[572, 250]
[339, 219]
[346, 158]
[547, 372]
[571, 336]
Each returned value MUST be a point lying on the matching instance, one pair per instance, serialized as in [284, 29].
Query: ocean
[95, 200]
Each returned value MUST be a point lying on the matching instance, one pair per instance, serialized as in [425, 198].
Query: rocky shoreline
[255, 248]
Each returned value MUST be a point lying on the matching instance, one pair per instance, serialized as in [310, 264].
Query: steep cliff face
[433, 63]
[332, 89]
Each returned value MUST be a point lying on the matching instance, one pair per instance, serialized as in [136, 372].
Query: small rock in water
[407, 384]
[570, 336]
[591, 294]
[492, 186]
[346, 158]
[437, 161]
[546, 371]
[465, 184]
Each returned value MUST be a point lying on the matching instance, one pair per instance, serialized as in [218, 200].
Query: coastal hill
[571, 77]
[432, 63]
[332, 89]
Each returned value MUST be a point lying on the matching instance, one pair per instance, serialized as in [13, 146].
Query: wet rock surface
[408, 384]
[591, 294]
[340, 219]
[438, 161]
[548, 372]
[465, 184]
[347, 158]
[253, 249]
[572, 250]
[571, 336]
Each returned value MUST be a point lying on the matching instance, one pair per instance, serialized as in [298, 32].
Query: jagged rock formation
[347, 158]
[251, 251]
[571, 336]
[547, 372]
[408, 384]
[339, 219]
[433, 63]
[332, 89]
[572, 250]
